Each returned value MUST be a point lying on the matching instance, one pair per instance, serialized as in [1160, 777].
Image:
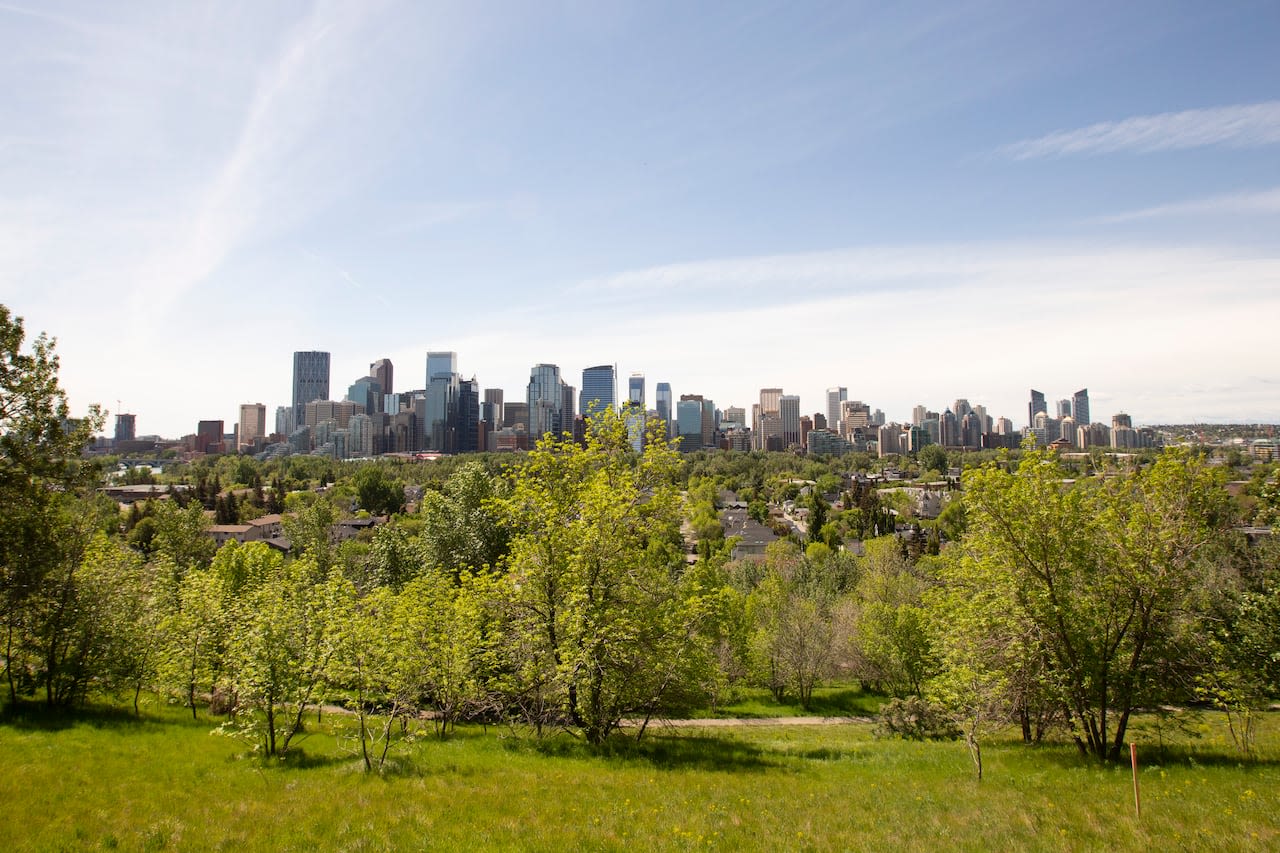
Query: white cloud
[1241, 126]
[1263, 202]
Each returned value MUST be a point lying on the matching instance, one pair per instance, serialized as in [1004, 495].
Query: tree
[1106, 576]
[932, 457]
[42, 477]
[280, 650]
[597, 612]
[376, 492]
[462, 524]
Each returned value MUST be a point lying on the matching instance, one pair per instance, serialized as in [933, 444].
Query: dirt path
[727, 722]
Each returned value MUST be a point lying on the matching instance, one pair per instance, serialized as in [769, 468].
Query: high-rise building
[514, 414]
[440, 421]
[635, 390]
[1063, 408]
[469, 416]
[284, 421]
[441, 363]
[789, 414]
[491, 408]
[253, 424]
[1080, 407]
[383, 371]
[126, 427]
[689, 422]
[769, 398]
[310, 381]
[665, 412]
[835, 396]
[367, 392]
[1036, 406]
[918, 415]
[598, 389]
[209, 437]
[545, 396]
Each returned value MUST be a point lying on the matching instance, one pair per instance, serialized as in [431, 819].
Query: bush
[915, 719]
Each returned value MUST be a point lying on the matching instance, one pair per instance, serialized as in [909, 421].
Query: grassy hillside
[104, 779]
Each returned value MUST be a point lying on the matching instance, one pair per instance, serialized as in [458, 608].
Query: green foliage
[601, 624]
[914, 718]
[1102, 583]
[377, 492]
[462, 525]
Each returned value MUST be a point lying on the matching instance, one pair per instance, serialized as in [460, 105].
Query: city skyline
[914, 202]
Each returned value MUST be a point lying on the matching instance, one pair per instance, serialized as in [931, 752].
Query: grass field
[103, 779]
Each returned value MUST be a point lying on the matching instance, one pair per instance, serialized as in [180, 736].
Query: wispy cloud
[1241, 126]
[1262, 202]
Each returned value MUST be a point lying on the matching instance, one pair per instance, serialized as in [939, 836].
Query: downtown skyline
[915, 203]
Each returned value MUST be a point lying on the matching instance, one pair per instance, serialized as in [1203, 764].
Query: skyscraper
[468, 416]
[367, 392]
[789, 411]
[1080, 407]
[598, 389]
[383, 372]
[663, 394]
[835, 396]
[253, 424]
[1036, 406]
[545, 396]
[125, 427]
[439, 363]
[635, 390]
[310, 381]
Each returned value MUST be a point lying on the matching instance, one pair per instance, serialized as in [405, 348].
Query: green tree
[462, 525]
[1107, 576]
[42, 479]
[377, 492]
[598, 613]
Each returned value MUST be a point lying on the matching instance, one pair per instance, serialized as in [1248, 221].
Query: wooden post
[1137, 799]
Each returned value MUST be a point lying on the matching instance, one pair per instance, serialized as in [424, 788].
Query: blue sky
[918, 201]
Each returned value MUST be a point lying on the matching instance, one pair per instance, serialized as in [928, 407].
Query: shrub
[915, 719]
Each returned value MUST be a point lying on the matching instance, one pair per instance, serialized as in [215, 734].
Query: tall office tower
[789, 412]
[440, 421]
[491, 409]
[819, 421]
[515, 413]
[918, 415]
[960, 408]
[689, 422]
[568, 412]
[382, 371]
[284, 421]
[126, 429]
[310, 381]
[545, 396]
[1004, 426]
[708, 423]
[1036, 406]
[598, 389]
[360, 437]
[209, 437]
[971, 430]
[635, 390]
[735, 415]
[441, 363]
[1121, 421]
[367, 392]
[984, 420]
[663, 393]
[469, 416]
[1080, 407]
[769, 398]
[253, 424]
[1063, 408]
[806, 427]
[854, 414]
[835, 396]
[950, 429]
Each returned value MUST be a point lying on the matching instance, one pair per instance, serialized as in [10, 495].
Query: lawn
[103, 779]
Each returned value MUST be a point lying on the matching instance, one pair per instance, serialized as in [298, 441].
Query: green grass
[103, 780]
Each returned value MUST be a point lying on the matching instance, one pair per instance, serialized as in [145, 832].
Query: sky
[917, 201]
